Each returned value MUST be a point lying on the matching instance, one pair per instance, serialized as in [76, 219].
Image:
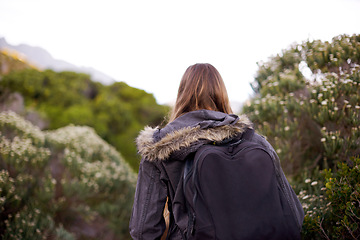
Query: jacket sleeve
[147, 221]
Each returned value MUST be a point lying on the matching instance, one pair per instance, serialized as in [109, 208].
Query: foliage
[59, 184]
[332, 203]
[307, 104]
[310, 122]
[117, 112]
[343, 191]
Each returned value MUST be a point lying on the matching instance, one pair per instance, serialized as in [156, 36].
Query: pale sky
[149, 44]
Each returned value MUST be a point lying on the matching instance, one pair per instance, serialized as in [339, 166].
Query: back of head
[201, 87]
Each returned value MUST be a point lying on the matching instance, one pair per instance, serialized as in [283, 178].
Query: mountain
[43, 60]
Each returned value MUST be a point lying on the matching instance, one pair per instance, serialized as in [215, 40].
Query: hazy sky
[149, 44]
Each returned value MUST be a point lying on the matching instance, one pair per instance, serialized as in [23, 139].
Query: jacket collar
[202, 126]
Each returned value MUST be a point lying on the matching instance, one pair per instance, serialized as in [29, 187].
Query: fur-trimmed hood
[188, 132]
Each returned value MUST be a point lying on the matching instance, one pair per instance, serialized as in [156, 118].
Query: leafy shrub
[117, 112]
[343, 192]
[307, 104]
[59, 184]
[332, 207]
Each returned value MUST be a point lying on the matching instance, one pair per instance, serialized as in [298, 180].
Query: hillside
[10, 61]
[42, 59]
[52, 100]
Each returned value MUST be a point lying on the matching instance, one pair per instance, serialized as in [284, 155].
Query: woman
[202, 114]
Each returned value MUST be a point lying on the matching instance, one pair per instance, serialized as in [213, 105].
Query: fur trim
[184, 137]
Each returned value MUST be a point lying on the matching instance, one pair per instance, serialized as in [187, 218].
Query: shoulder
[145, 142]
[260, 139]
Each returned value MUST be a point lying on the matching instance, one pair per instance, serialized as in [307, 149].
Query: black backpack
[232, 192]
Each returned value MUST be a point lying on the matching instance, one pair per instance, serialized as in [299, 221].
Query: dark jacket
[164, 152]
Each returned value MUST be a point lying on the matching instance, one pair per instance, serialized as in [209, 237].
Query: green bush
[57, 184]
[332, 203]
[117, 112]
[343, 193]
[307, 104]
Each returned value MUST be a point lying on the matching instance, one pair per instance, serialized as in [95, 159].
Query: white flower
[307, 180]
[324, 102]
[333, 137]
[323, 139]
[278, 150]
[287, 128]
[314, 183]
[336, 108]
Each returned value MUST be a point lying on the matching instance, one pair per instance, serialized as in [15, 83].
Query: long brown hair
[201, 87]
